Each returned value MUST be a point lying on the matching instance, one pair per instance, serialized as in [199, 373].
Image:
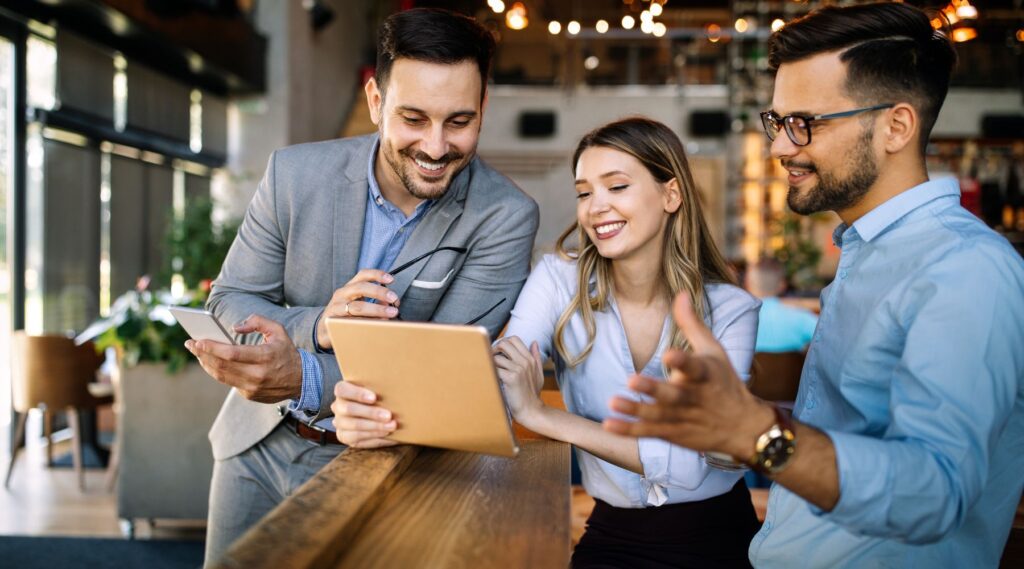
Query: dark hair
[434, 36]
[891, 52]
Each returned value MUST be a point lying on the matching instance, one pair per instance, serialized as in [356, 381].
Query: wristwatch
[775, 446]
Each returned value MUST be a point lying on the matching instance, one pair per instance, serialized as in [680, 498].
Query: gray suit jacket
[300, 241]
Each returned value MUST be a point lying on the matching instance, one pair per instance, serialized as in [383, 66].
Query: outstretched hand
[703, 405]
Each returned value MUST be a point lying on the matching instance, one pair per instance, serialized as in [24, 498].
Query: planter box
[166, 461]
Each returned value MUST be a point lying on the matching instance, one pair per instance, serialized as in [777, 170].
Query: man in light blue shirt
[780, 328]
[906, 444]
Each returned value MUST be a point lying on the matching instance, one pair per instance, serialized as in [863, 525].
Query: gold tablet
[437, 379]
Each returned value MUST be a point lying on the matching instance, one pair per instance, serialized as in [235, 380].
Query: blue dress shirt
[916, 373]
[672, 474]
[782, 328]
[385, 231]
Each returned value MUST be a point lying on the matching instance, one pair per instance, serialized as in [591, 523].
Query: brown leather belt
[316, 434]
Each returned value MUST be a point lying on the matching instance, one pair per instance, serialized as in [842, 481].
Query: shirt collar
[874, 222]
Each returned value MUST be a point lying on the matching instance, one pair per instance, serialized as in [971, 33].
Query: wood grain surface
[312, 527]
[462, 510]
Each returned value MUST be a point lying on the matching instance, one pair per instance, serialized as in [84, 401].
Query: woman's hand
[522, 375]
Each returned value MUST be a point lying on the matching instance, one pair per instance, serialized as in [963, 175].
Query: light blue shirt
[782, 328]
[916, 373]
[386, 230]
[672, 474]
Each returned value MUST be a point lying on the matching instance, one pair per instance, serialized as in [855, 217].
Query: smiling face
[429, 118]
[622, 208]
[840, 165]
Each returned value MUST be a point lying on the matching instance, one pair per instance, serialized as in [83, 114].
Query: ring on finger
[347, 312]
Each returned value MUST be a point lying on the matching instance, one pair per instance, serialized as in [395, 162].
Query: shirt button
[810, 404]
[767, 525]
[401, 230]
[842, 274]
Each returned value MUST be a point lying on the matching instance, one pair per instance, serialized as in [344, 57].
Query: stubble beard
[402, 169]
[833, 193]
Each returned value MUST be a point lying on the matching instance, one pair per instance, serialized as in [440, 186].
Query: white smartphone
[201, 324]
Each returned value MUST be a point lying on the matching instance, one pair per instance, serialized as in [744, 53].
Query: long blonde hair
[691, 258]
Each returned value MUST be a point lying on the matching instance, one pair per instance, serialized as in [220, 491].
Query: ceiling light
[601, 26]
[591, 63]
[646, 27]
[516, 18]
[554, 27]
[656, 9]
[660, 29]
[646, 16]
[964, 34]
[741, 25]
[778, 24]
[628, 22]
[573, 27]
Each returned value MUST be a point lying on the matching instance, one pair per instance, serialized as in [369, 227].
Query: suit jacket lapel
[349, 213]
[431, 230]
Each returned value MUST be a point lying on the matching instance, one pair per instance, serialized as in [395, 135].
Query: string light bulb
[961, 35]
[778, 24]
[554, 27]
[601, 26]
[628, 22]
[573, 27]
[659, 29]
[741, 25]
[516, 17]
[656, 9]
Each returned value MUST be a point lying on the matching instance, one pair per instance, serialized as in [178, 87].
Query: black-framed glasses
[460, 250]
[798, 127]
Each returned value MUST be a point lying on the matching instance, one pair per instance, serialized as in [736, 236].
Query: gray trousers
[247, 486]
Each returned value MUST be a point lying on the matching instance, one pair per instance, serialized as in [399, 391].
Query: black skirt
[711, 533]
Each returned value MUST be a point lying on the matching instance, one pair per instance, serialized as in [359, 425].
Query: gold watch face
[775, 452]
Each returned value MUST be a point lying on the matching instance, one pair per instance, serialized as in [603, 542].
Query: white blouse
[672, 473]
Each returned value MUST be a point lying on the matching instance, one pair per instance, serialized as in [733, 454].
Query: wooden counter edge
[312, 527]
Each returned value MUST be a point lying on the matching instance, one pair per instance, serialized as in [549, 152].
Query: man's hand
[267, 373]
[350, 301]
[703, 405]
[359, 422]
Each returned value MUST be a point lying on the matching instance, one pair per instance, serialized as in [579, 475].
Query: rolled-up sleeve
[952, 394]
[667, 466]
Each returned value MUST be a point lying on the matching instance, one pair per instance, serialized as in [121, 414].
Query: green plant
[143, 330]
[196, 247]
[140, 325]
[799, 254]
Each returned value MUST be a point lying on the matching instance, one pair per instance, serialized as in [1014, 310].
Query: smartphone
[201, 324]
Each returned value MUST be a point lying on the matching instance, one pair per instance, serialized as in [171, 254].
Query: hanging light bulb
[628, 22]
[1020, 35]
[516, 18]
[497, 5]
[573, 27]
[965, 11]
[741, 25]
[656, 9]
[714, 32]
[647, 27]
[660, 29]
[646, 16]
[554, 27]
[778, 24]
[961, 35]
[601, 26]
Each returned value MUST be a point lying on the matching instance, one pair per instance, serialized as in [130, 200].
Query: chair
[52, 373]
[776, 376]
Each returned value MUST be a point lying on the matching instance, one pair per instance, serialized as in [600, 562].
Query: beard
[412, 180]
[833, 193]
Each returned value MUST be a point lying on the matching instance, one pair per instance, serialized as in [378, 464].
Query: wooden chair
[52, 373]
[776, 376]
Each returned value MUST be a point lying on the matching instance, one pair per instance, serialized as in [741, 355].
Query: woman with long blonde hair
[600, 309]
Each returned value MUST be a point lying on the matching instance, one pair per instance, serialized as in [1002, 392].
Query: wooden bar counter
[411, 507]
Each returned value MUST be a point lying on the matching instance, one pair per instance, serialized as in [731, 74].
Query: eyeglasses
[798, 127]
[460, 250]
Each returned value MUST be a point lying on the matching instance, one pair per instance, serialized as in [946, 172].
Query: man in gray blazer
[405, 223]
